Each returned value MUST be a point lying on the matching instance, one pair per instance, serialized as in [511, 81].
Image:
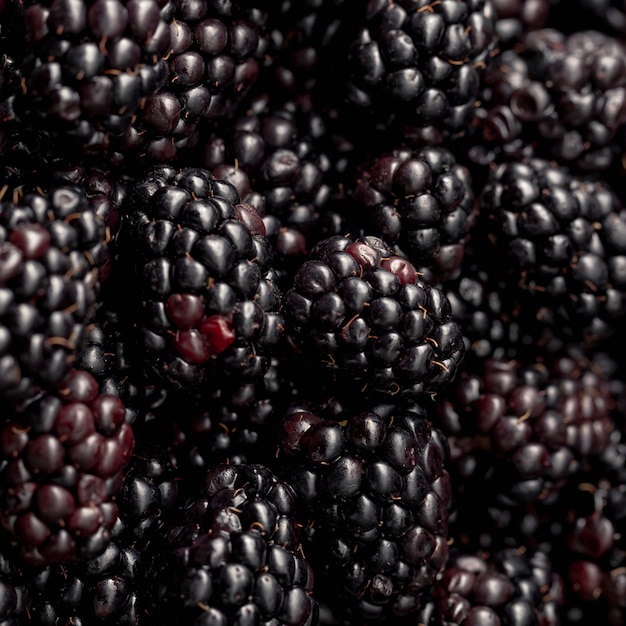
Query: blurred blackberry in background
[206, 305]
[363, 320]
[562, 239]
[373, 495]
[554, 96]
[607, 16]
[516, 18]
[53, 250]
[90, 67]
[513, 586]
[519, 432]
[215, 52]
[422, 200]
[418, 60]
[63, 455]
[234, 556]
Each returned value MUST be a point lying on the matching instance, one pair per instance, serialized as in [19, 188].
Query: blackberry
[234, 556]
[422, 200]
[555, 96]
[15, 592]
[364, 319]
[288, 160]
[90, 66]
[208, 307]
[214, 60]
[420, 60]
[373, 493]
[52, 250]
[513, 586]
[515, 18]
[562, 239]
[607, 16]
[518, 433]
[63, 454]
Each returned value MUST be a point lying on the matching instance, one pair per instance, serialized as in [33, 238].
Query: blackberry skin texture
[234, 557]
[555, 96]
[52, 250]
[208, 306]
[288, 159]
[421, 60]
[518, 434]
[63, 455]
[214, 60]
[512, 586]
[90, 66]
[362, 317]
[562, 239]
[422, 200]
[110, 588]
[373, 494]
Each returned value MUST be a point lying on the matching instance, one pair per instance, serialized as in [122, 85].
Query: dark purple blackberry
[419, 60]
[373, 494]
[288, 159]
[512, 587]
[422, 200]
[90, 67]
[235, 557]
[361, 316]
[515, 18]
[215, 56]
[607, 16]
[556, 96]
[63, 454]
[519, 431]
[52, 250]
[110, 588]
[562, 240]
[208, 307]
[15, 596]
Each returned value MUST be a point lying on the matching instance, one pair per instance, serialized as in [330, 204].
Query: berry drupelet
[422, 200]
[63, 455]
[515, 18]
[562, 240]
[234, 556]
[15, 590]
[373, 494]
[361, 316]
[52, 252]
[207, 304]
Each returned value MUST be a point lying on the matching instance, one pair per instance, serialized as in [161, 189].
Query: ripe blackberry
[110, 588]
[15, 600]
[562, 239]
[288, 160]
[214, 59]
[373, 492]
[363, 318]
[518, 432]
[515, 18]
[207, 302]
[90, 66]
[234, 558]
[420, 59]
[555, 96]
[63, 454]
[422, 200]
[513, 586]
[52, 251]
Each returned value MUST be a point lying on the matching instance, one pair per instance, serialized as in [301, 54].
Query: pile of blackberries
[312, 311]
